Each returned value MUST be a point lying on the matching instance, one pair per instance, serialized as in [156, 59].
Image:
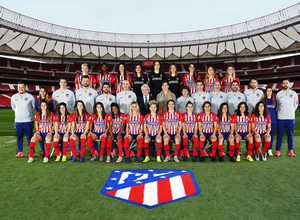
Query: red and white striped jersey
[242, 123]
[189, 122]
[207, 122]
[209, 84]
[120, 82]
[188, 81]
[225, 124]
[226, 83]
[261, 123]
[108, 78]
[153, 123]
[171, 121]
[62, 128]
[79, 78]
[45, 125]
[117, 122]
[135, 122]
[99, 123]
[80, 126]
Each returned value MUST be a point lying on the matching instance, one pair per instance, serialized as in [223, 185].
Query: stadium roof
[275, 33]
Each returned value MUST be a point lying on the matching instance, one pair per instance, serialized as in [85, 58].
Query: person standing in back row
[23, 105]
[156, 77]
[287, 100]
[85, 72]
[253, 95]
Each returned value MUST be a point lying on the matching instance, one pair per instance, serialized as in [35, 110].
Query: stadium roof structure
[273, 34]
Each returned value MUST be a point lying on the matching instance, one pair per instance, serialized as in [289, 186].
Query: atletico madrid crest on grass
[150, 187]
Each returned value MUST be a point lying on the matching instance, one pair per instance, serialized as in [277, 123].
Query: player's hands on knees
[184, 136]
[195, 135]
[103, 135]
[166, 136]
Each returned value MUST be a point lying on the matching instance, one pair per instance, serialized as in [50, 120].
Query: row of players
[83, 127]
[21, 103]
[155, 78]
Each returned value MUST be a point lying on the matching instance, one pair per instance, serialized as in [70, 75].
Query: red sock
[103, 144]
[72, 147]
[266, 147]
[237, 148]
[159, 148]
[195, 146]
[231, 150]
[177, 148]
[146, 148]
[185, 142]
[257, 145]
[83, 147]
[214, 146]
[166, 147]
[56, 148]
[108, 147]
[220, 149]
[31, 149]
[250, 148]
[91, 144]
[65, 148]
[48, 148]
[126, 146]
[120, 145]
[140, 147]
[202, 148]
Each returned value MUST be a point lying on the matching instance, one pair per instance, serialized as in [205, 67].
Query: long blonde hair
[138, 108]
[233, 73]
[207, 75]
[170, 72]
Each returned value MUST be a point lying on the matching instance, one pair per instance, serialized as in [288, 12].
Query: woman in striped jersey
[242, 120]
[208, 126]
[117, 122]
[152, 130]
[101, 127]
[62, 127]
[225, 130]
[261, 126]
[79, 130]
[210, 78]
[44, 128]
[134, 130]
[190, 79]
[122, 75]
[172, 127]
[227, 80]
[189, 130]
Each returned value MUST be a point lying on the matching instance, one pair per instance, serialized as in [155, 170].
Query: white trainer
[167, 159]
[45, 160]
[270, 153]
[30, 159]
[264, 157]
[257, 157]
[176, 159]
[108, 159]
[119, 160]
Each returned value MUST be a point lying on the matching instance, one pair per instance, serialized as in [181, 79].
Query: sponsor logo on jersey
[150, 187]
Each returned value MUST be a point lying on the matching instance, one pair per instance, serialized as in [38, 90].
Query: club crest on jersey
[90, 94]
[221, 97]
[67, 95]
[150, 187]
[204, 98]
[239, 98]
[257, 94]
[26, 99]
[110, 99]
[129, 96]
[291, 96]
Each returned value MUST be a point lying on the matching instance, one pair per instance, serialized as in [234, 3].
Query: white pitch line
[11, 141]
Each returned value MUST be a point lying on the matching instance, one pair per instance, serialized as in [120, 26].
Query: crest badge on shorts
[150, 187]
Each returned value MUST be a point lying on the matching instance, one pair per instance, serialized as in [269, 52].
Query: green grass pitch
[256, 190]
